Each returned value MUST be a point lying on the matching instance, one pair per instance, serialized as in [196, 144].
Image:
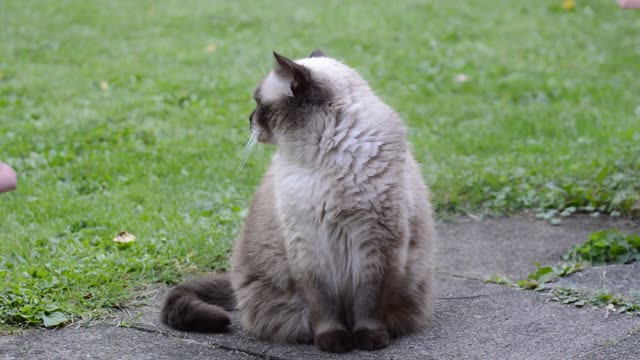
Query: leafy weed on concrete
[606, 247]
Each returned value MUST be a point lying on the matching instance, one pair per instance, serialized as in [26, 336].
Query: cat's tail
[200, 305]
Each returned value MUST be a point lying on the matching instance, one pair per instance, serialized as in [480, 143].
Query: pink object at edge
[629, 4]
[8, 178]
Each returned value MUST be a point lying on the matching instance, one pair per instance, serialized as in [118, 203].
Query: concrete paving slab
[616, 279]
[108, 342]
[472, 320]
[618, 349]
[511, 246]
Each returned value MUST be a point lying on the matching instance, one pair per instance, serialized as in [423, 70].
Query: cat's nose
[251, 115]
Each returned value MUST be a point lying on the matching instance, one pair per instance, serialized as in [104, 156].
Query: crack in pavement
[460, 276]
[462, 297]
[615, 341]
[210, 344]
[581, 355]
[611, 343]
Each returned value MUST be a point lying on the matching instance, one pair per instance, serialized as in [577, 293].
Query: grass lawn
[131, 115]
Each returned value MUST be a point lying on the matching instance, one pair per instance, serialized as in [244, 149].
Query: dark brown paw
[338, 341]
[371, 339]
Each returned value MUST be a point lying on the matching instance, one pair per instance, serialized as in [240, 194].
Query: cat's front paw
[366, 339]
[337, 341]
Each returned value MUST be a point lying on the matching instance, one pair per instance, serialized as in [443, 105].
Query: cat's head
[295, 93]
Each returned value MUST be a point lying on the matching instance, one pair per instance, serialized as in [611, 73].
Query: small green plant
[501, 280]
[539, 277]
[601, 299]
[606, 247]
[603, 248]
[22, 305]
[568, 296]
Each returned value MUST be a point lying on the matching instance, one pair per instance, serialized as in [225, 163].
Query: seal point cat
[337, 245]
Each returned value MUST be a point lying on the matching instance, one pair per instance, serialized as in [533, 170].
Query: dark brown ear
[317, 53]
[289, 69]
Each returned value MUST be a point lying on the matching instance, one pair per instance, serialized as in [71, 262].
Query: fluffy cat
[337, 245]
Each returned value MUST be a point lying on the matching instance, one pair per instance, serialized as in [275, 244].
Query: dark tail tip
[199, 306]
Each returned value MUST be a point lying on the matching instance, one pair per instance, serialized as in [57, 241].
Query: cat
[337, 245]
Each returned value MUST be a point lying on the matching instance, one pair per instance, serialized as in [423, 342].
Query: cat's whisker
[246, 140]
[248, 71]
[260, 152]
[246, 153]
[262, 70]
[243, 158]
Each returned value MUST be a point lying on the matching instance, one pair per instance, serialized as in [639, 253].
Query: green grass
[130, 115]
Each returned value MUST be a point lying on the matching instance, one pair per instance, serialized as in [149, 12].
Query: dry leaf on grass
[211, 47]
[124, 238]
[569, 5]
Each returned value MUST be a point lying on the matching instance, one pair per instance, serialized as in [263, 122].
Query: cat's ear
[317, 53]
[290, 70]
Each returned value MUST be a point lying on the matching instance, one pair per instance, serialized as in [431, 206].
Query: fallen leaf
[608, 309]
[104, 86]
[124, 238]
[461, 78]
[569, 5]
[211, 47]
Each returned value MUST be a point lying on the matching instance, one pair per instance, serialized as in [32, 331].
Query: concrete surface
[625, 348]
[615, 279]
[473, 320]
[109, 342]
